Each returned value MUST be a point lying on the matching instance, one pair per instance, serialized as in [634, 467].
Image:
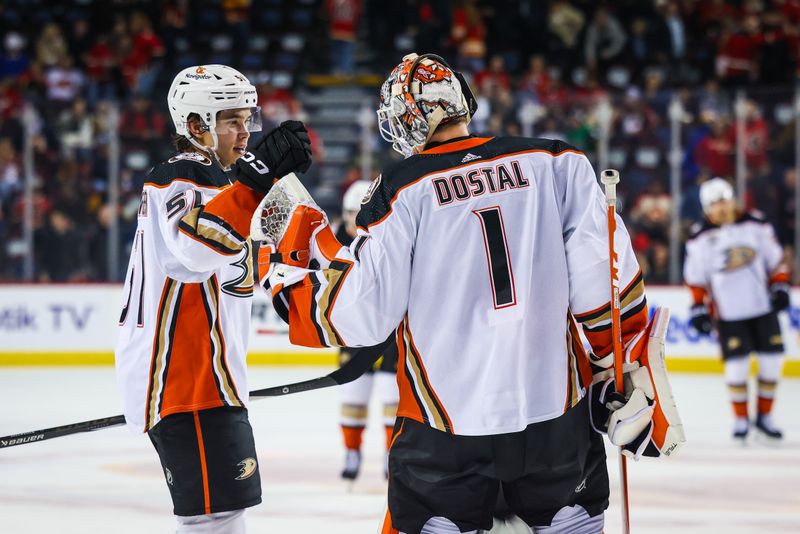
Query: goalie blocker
[644, 420]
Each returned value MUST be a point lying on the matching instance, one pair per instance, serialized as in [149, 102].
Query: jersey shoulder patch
[190, 167]
[191, 156]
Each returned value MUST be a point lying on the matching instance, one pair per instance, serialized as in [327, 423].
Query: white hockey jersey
[186, 305]
[481, 253]
[734, 265]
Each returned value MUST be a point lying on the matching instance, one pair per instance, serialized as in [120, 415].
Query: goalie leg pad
[668, 434]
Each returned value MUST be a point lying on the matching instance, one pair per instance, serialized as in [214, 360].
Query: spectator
[738, 51]
[343, 16]
[102, 70]
[76, 131]
[605, 40]
[56, 249]
[494, 79]
[536, 81]
[565, 23]
[64, 83]
[147, 48]
[468, 35]
[714, 152]
[51, 47]
[14, 60]
[140, 124]
[756, 137]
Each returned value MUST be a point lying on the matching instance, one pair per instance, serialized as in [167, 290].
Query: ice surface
[110, 481]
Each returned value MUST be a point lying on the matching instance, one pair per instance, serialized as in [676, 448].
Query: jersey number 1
[501, 274]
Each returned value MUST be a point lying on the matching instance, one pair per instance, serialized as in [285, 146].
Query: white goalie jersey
[734, 265]
[185, 314]
[483, 254]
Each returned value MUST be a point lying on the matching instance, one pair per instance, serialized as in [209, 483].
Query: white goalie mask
[420, 94]
[206, 90]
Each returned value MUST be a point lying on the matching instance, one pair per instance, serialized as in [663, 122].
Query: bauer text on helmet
[420, 94]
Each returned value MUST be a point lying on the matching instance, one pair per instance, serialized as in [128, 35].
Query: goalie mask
[421, 94]
[206, 90]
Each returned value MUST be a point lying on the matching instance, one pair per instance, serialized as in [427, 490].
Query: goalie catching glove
[293, 228]
[643, 420]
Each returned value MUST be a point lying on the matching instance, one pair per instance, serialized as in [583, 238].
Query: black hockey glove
[779, 295]
[700, 319]
[285, 149]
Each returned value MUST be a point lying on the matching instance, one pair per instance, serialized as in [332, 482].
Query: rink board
[77, 324]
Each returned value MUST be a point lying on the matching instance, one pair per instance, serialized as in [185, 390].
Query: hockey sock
[352, 437]
[769, 371]
[217, 523]
[736, 371]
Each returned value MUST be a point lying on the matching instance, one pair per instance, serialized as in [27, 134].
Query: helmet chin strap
[210, 150]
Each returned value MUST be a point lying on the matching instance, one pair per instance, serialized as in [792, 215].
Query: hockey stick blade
[346, 373]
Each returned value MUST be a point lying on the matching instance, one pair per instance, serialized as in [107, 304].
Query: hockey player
[355, 395]
[734, 266]
[180, 355]
[483, 255]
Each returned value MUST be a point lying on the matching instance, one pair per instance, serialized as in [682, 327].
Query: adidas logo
[469, 157]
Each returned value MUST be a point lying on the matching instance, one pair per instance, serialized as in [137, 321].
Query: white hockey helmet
[354, 195]
[421, 93]
[714, 190]
[206, 90]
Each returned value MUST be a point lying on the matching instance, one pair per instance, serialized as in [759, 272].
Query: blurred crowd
[542, 68]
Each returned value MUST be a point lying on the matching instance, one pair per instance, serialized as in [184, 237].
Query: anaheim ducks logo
[371, 191]
[738, 257]
[248, 467]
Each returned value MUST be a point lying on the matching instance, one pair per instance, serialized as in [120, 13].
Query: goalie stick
[610, 179]
[348, 372]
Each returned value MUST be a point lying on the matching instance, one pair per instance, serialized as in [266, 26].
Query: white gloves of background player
[643, 420]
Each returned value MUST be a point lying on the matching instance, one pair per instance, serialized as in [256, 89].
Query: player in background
[483, 255]
[355, 395]
[180, 354]
[734, 266]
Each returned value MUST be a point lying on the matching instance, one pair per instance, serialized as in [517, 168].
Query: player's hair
[180, 142]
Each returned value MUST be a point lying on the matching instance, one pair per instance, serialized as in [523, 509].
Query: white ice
[110, 481]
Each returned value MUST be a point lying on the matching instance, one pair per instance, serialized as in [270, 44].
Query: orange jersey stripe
[303, 327]
[438, 403]
[601, 340]
[191, 379]
[472, 142]
[408, 405]
[203, 467]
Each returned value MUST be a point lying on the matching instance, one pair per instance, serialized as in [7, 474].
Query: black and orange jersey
[484, 254]
[186, 300]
